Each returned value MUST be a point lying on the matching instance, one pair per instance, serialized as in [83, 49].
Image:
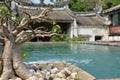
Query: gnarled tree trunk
[12, 63]
[7, 60]
[16, 33]
[20, 68]
[0, 65]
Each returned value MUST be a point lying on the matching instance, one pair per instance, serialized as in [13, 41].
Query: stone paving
[104, 43]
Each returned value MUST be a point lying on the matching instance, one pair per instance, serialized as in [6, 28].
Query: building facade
[92, 28]
[114, 16]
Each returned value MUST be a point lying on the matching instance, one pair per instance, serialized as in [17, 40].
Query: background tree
[109, 3]
[15, 32]
[26, 1]
[82, 5]
[88, 5]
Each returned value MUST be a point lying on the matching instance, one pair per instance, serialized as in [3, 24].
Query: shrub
[76, 39]
[61, 37]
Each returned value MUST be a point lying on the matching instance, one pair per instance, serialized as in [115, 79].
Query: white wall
[93, 31]
[114, 38]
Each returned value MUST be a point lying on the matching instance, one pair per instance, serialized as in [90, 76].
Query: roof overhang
[111, 10]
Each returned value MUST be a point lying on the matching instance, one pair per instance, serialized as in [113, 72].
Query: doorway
[98, 38]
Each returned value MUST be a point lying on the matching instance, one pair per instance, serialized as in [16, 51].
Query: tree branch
[4, 28]
[2, 40]
[20, 36]
[24, 22]
[25, 36]
[5, 31]
[42, 15]
[26, 39]
[8, 5]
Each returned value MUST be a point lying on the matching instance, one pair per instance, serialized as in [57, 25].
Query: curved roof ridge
[112, 9]
[69, 11]
[91, 20]
[92, 13]
[29, 7]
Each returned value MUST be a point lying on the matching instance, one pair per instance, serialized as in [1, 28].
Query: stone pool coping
[104, 43]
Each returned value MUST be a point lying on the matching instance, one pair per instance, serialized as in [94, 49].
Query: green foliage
[55, 38]
[110, 3]
[76, 39]
[26, 1]
[4, 12]
[88, 5]
[56, 28]
[78, 78]
[49, 18]
[23, 55]
[17, 19]
[61, 37]
[81, 5]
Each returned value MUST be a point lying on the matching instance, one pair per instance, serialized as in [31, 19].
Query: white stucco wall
[114, 38]
[92, 31]
[72, 30]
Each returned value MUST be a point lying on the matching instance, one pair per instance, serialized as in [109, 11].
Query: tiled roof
[57, 14]
[112, 9]
[60, 15]
[64, 15]
[90, 20]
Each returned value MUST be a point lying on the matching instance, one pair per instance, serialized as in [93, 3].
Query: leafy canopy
[88, 5]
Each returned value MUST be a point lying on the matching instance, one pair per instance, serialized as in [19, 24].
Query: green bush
[61, 37]
[78, 78]
[76, 39]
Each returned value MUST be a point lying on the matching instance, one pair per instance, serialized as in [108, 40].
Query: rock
[18, 79]
[56, 79]
[47, 75]
[73, 75]
[59, 65]
[38, 74]
[32, 70]
[60, 75]
[49, 67]
[42, 67]
[33, 78]
[52, 76]
[66, 72]
[41, 78]
[54, 70]
[63, 79]
[43, 72]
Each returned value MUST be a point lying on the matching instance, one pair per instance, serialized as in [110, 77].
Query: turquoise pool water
[100, 61]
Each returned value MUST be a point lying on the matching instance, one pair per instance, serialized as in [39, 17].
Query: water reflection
[77, 48]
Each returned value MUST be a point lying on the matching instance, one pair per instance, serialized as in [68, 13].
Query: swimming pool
[100, 61]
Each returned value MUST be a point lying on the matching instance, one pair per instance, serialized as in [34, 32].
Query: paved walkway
[105, 43]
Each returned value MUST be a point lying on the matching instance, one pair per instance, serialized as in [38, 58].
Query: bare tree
[14, 34]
